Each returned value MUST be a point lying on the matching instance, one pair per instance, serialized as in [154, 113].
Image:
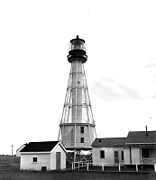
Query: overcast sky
[121, 66]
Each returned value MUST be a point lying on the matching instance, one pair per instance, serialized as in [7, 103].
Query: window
[145, 153]
[82, 140]
[34, 159]
[82, 130]
[44, 168]
[122, 155]
[102, 154]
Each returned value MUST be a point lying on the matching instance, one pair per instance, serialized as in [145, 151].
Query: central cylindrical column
[76, 91]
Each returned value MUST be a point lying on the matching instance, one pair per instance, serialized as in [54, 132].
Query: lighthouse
[77, 126]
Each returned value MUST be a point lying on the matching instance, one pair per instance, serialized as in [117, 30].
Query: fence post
[119, 167]
[136, 167]
[87, 166]
[102, 167]
[155, 167]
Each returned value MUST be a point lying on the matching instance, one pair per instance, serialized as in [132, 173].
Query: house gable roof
[45, 146]
[134, 138]
[20, 148]
[141, 137]
[109, 142]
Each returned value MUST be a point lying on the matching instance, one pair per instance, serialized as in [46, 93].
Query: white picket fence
[87, 164]
[81, 164]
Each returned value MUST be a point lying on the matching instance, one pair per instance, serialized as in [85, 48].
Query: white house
[138, 148]
[108, 151]
[48, 155]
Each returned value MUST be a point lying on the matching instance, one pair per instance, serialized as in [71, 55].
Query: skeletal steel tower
[77, 126]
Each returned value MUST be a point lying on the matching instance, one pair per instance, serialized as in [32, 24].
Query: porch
[148, 161]
[148, 155]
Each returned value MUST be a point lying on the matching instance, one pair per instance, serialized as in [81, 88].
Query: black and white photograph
[78, 89]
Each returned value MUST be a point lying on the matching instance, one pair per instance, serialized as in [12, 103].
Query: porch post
[155, 167]
[136, 167]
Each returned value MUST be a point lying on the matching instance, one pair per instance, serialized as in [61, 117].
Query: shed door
[116, 156]
[58, 160]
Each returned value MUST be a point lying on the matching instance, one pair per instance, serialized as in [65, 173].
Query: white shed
[38, 156]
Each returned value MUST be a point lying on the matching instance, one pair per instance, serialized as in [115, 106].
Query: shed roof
[109, 142]
[141, 137]
[39, 146]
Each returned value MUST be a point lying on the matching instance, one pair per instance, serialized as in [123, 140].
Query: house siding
[109, 156]
[53, 157]
[28, 164]
[127, 156]
[135, 155]
[132, 155]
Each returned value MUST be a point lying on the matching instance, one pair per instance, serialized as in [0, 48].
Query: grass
[9, 170]
[74, 175]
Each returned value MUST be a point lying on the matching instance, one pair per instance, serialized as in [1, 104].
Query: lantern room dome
[77, 50]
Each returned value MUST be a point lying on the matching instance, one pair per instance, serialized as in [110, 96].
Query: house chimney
[146, 131]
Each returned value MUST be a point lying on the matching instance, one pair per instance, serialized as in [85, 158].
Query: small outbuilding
[42, 156]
